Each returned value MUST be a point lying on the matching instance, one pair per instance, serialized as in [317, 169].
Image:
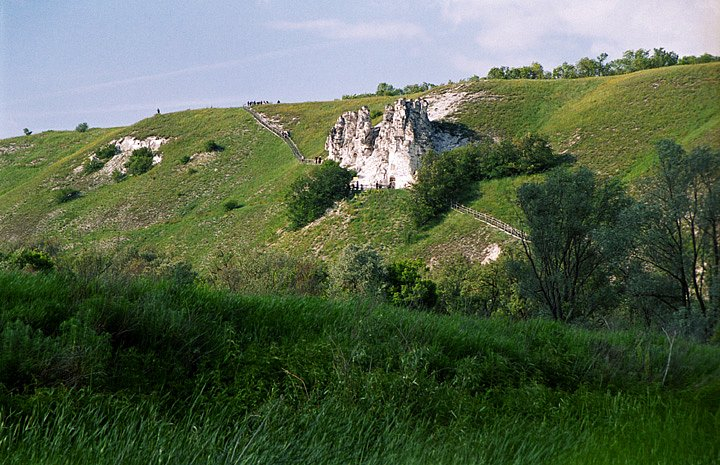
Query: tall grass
[128, 370]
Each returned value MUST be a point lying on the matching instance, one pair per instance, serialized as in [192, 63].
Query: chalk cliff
[390, 153]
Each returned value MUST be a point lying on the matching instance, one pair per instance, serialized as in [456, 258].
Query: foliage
[92, 165]
[32, 259]
[631, 61]
[140, 161]
[575, 243]
[106, 152]
[230, 205]
[268, 273]
[66, 194]
[118, 176]
[388, 90]
[358, 271]
[534, 71]
[26, 131]
[479, 289]
[212, 146]
[137, 370]
[82, 127]
[443, 178]
[679, 229]
[312, 194]
[406, 286]
[185, 159]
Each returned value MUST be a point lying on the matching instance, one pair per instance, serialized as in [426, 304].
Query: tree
[565, 71]
[574, 240]
[27, 132]
[311, 195]
[534, 154]
[681, 226]
[387, 89]
[82, 127]
[497, 73]
[441, 179]
[662, 57]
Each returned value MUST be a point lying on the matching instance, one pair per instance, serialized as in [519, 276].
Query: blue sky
[113, 63]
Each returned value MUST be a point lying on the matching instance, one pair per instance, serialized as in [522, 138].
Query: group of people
[251, 103]
[356, 186]
[316, 160]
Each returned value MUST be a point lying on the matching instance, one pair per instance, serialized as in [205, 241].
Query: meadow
[100, 367]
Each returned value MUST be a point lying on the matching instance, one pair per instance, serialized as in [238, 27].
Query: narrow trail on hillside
[284, 135]
[491, 221]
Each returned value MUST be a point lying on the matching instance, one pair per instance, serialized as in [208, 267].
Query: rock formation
[390, 153]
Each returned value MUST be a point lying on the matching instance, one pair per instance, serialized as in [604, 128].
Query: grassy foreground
[124, 370]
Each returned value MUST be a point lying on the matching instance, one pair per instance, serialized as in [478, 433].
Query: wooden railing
[489, 220]
[282, 135]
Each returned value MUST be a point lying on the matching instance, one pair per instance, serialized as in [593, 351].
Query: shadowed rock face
[390, 152]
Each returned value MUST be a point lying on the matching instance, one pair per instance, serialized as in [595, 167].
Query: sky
[112, 63]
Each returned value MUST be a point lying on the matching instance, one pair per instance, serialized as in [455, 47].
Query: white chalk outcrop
[390, 153]
[126, 146]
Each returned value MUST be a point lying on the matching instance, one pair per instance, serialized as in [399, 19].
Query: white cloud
[510, 26]
[337, 29]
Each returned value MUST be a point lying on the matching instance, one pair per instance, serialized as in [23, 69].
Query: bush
[32, 260]
[93, 165]
[359, 271]
[26, 131]
[66, 194]
[212, 146]
[140, 161]
[268, 273]
[107, 152]
[231, 205]
[406, 287]
[82, 127]
[443, 178]
[314, 193]
[185, 159]
[118, 176]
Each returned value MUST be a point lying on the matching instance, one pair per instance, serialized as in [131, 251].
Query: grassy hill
[609, 124]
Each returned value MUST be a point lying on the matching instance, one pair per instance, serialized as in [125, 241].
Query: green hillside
[609, 124]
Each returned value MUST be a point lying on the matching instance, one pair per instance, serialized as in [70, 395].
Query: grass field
[111, 369]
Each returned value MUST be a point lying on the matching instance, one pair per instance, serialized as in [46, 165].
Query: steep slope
[175, 207]
[609, 124]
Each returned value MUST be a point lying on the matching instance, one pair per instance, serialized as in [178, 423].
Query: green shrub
[359, 271]
[107, 152]
[140, 161]
[231, 205]
[66, 194]
[266, 273]
[212, 146]
[82, 127]
[185, 159]
[406, 286]
[93, 165]
[118, 176]
[33, 260]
